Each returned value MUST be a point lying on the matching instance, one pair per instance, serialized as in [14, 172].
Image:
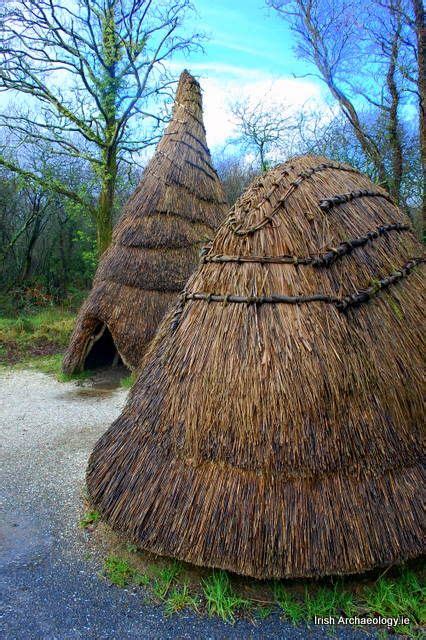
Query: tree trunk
[28, 258]
[419, 16]
[111, 54]
[263, 163]
[62, 252]
[368, 145]
[393, 120]
[35, 232]
[105, 208]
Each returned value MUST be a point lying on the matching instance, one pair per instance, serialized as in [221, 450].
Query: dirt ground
[49, 567]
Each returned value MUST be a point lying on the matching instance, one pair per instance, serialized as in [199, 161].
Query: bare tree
[235, 175]
[91, 67]
[29, 210]
[329, 134]
[358, 50]
[420, 30]
[263, 129]
[414, 69]
[385, 31]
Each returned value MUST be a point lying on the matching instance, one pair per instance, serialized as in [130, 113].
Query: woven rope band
[324, 259]
[334, 201]
[237, 228]
[341, 304]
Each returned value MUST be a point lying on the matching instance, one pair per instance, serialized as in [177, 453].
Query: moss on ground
[128, 381]
[37, 340]
[51, 365]
[39, 336]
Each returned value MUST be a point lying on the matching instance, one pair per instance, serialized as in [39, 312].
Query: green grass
[36, 340]
[121, 573]
[51, 365]
[403, 594]
[392, 598]
[164, 579]
[180, 598]
[52, 325]
[118, 571]
[141, 579]
[67, 377]
[291, 607]
[328, 602]
[25, 337]
[128, 381]
[220, 598]
[261, 612]
[90, 518]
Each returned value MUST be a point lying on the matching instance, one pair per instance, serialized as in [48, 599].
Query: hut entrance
[101, 350]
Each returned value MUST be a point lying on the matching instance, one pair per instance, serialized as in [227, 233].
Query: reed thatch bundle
[275, 427]
[177, 205]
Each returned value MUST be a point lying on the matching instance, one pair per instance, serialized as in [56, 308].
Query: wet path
[50, 587]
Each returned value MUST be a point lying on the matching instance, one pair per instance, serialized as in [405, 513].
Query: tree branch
[50, 185]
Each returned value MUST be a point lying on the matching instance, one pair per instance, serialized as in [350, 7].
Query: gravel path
[50, 583]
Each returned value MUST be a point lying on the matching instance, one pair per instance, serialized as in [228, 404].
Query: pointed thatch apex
[275, 429]
[188, 92]
[177, 205]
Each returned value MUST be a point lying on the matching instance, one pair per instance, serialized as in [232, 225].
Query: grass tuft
[141, 579]
[329, 602]
[51, 365]
[90, 518]
[180, 598]
[51, 326]
[220, 597]
[118, 571]
[68, 377]
[165, 576]
[128, 381]
[292, 608]
[402, 595]
[261, 612]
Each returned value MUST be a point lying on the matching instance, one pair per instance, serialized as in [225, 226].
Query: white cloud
[218, 93]
[224, 83]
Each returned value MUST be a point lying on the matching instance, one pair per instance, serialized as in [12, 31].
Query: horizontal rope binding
[324, 259]
[341, 304]
[334, 201]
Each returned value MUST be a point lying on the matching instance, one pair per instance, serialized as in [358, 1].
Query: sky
[249, 53]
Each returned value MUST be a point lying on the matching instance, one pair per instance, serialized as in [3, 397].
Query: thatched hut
[178, 203]
[275, 427]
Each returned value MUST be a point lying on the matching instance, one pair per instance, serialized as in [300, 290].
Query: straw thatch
[155, 247]
[275, 427]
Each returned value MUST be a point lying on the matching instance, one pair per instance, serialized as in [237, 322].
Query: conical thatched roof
[155, 247]
[275, 427]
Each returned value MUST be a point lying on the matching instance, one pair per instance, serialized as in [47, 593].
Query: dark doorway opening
[103, 352]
